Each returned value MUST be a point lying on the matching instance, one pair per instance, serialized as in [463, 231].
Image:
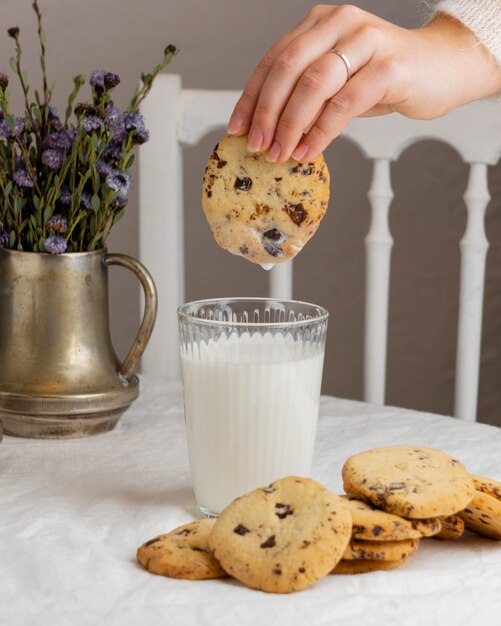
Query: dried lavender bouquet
[64, 183]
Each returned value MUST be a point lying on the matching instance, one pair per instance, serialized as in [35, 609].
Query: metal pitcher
[59, 374]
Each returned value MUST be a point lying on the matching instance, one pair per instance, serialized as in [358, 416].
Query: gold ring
[345, 60]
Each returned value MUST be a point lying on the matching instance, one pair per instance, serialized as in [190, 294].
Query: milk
[251, 407]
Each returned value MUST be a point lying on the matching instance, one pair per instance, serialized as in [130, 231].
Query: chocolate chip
[209, 194]
[244, 249]
[243, 184]
[273, 250]
[274, 234]
[148, 543]
[377, 530]
[394, 486]
[221, 163]
[241, 530]
[278, 179]
[269, 543]
[306, 171]
[277, 571]
[296, 212]
[301, 570]
[305, 544]
[269, 489]
[184, 532]
[282, 510]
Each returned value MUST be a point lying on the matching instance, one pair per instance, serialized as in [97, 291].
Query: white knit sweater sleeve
[482, 17]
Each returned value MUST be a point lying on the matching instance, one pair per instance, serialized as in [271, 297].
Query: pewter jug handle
[150, 309]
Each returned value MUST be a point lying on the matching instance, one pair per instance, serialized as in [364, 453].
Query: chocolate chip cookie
[483, 515]
[182, 553]
[264, 212]
[283, 537]
[452, 528]
[413, 482]
[362, 550]
[487, 485]
[370, 523]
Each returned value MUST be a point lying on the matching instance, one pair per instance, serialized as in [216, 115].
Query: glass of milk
[252, 370]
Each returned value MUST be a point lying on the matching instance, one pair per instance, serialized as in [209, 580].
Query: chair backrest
[177, 116]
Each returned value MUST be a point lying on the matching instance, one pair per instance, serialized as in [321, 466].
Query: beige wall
[221, 41]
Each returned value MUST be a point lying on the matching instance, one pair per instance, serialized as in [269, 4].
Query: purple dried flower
[22, 178]
[4, 80]
[111, 113]
[8, 133]
[84, 108]
[141, 136]
[104, 80]
[104, 169]
[97, 78]
[119, 202]
[120, 182]
[85, 200]
[4, 237]
[91, 123]
[65, 195]
[111, 80]
[132, 120]
[55, 244]
[58, 224]
[114, 150]
[54, 119]
[53, 159]
[59, 140]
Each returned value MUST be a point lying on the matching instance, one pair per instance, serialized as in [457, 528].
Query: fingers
[322, 80]
[360, 94]
[241, 117]
[269, 88]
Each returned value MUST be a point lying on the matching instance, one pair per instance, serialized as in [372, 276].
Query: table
[72, 514]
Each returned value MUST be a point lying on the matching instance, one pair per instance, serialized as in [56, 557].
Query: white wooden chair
[177, 117]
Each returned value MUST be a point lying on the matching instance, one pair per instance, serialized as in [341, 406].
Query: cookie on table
[283, 537]
[374, 524]
[361, 550]
[452, 528]
[487, 485]
[483, 515]
[411, 481]
[182, 553]
[363, 567]
[264, 212]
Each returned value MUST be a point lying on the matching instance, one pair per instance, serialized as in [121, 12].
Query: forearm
[474, 72]
[482, 17]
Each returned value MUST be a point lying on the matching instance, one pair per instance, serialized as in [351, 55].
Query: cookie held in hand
[264, 212]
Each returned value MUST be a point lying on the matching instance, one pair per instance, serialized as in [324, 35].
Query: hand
[299, 99]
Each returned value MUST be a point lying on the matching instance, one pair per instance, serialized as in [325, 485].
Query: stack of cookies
[286, 536]
[381, 540]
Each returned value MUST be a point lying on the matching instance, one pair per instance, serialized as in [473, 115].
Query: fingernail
[273, 152]
[235, 123]
[300, 152]
[255, 140]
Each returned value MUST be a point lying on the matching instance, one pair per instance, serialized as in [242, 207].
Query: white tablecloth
[72, 514]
